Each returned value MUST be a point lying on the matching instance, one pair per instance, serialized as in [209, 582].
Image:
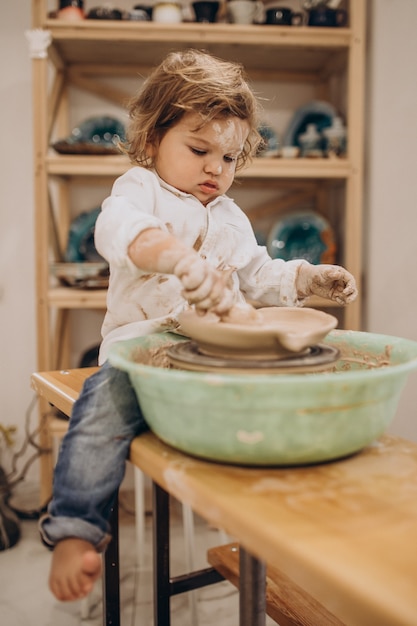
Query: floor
[25, 599]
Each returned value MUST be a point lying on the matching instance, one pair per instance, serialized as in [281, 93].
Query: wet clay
[242, 314]
[361, 359]
[155, 357]
[349, 359]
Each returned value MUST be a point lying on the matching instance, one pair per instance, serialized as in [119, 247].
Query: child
[171, 236]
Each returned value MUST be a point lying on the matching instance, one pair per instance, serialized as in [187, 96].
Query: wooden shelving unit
[86, 54]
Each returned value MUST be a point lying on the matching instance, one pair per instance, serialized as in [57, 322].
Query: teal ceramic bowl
[273, 419]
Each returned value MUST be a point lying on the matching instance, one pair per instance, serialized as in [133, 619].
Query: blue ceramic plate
[82, 275]
[316, 112]
[270, 146]
[80, 246]
[96, 135]
[302, 235]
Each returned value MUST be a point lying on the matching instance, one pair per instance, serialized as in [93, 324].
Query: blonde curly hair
[190, 81]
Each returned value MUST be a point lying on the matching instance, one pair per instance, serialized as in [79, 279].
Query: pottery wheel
[187, 356]
[279, 332]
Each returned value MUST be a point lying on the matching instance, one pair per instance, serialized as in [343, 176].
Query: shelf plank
[237, 34]
[296, 168]
[130, 43]
[83, 165]
[80, 165]
[69, 298]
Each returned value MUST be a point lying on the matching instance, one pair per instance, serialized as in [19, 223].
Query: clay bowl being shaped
[272, 419]
[280, 331]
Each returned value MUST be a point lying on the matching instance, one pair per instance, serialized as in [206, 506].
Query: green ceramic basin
[273, 419]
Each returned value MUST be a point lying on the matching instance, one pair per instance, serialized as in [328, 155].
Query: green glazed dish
[273, 419]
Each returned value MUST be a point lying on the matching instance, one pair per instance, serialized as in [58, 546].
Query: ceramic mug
[140, 14]
[281, 16]
[323, 16]
[71, 10]
[245, 11]
[206, 10]
[167, 13]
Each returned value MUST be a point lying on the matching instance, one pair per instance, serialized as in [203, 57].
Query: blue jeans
[92, 459]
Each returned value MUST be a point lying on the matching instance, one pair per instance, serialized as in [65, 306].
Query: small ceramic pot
[143, 8]
[281, 16]
[323, 16]
[167, 13]
[104, 13]
[206, 10]
[139, 15]
[71, 10]
[245, 11]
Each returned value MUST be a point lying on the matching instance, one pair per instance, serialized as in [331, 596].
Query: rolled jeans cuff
[55, 529]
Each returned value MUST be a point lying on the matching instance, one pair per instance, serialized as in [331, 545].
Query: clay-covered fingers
[192, 271]
[335, 283]
[207, 294]
[204, 286]
[225, 303]
[345, 291]
[327, 281]
[211, 295]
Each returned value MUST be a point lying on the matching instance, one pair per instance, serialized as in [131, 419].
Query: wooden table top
[345, 531]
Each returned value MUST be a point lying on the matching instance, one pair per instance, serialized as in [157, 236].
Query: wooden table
[346, 532]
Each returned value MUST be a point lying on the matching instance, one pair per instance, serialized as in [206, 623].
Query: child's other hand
[328, 281]
[204, 286]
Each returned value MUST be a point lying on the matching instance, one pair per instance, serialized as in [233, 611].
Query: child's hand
[204, 286]
[154, 250]
[328, 281]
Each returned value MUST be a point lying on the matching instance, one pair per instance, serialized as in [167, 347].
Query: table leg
[162, 583]
[252, 590]
[111, 580]
[166, 586]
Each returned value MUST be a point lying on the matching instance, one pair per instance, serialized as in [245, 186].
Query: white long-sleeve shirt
[139, 303]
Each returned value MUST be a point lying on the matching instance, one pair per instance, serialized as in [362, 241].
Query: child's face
[201, 162]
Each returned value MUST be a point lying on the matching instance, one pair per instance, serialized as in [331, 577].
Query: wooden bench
[286, 602]
[350, 547]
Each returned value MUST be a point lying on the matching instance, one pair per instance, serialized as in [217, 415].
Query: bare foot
[75, 567]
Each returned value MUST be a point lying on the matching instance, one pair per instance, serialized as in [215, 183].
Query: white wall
[17, 309]
[391, 203]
